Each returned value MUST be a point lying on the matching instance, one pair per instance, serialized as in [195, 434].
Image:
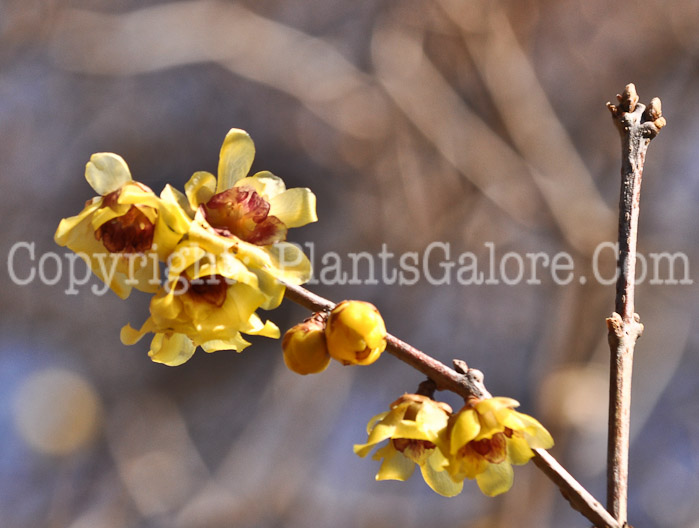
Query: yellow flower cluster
[223, 241]
[482, 441]
[353, 334]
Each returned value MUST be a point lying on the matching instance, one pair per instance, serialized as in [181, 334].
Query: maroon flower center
[211, 289]
[494, 449]
[401, 444]
[243, 213]
[413, 449]
[128, 233]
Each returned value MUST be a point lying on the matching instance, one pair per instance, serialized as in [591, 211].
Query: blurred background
[459, 121]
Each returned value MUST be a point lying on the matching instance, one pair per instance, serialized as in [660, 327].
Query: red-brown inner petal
[211, 289]
[129, 233]
[494, 449]
[401, 444]
[242, 212]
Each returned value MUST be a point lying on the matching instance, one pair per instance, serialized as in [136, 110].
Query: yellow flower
[304, 346]
[486, 437]
[416, 429]
[356, 333]
[208, 301]
[122, 233]
[250, 215]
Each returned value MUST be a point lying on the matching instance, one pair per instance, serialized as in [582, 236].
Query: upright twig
[637, 125]
[468, 382]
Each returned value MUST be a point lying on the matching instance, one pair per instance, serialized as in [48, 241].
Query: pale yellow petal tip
[129, 335]
[106, 172]
[235, 158]
[172, 350]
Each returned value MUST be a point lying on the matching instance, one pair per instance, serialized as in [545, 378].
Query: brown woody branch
[637, 125]
[468, 383]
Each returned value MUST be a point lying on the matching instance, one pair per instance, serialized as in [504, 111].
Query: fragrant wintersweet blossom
[486, 437]
[209, 301]
[415, 428]
[251, 215]
[124, 232]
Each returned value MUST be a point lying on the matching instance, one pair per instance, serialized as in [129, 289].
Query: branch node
[460, 366]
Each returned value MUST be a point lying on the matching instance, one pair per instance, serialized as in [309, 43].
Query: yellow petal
[535, 434]
[130, 335]
[265, 184]
[288, 263]
[200, 188]
[105, 214]
[236, 343]
[496, 479]
[385, 428]
[518, 451]
[464, 429]
[106, 172]
[171, 350]
[295, 207]
[67, 225]
[438, 479]
[395, 465]
[270, 287]
[268, 329]
[184, 256]
[201, 234]
[372, 423]
[235, 159]
[410, 429]
[165, 307]
[466, 464]
[179, 213]
[133, 194]
[165, 239]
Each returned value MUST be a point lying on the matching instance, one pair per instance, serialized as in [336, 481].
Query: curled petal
[130, 335]
[176, 211]
[106, 172]
[171, 350]
[395, 465]
[265, 184]
[200, 188]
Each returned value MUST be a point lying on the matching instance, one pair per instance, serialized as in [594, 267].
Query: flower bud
[304, 346]
[356, 333]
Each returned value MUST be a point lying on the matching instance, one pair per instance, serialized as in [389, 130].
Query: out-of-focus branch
[535, 130]
[637, 126]
[468, 382]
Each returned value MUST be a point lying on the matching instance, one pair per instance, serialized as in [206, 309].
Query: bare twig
[468, 382]
[637, 125]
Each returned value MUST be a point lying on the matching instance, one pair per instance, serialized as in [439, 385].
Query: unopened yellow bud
[304, 346]
[356, 333]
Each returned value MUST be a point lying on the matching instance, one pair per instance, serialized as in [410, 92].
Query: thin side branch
[637, 125]
[467, 383]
